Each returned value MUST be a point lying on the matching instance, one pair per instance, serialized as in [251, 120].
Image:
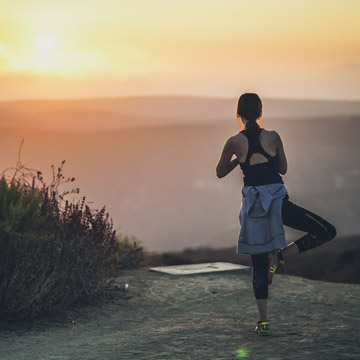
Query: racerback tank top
[263, 173]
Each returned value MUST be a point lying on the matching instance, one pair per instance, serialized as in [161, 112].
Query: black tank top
[263, 173]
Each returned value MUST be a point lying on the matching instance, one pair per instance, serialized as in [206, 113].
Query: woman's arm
[225, 164]
[281, 157]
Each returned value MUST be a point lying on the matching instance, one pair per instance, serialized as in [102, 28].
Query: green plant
[53, 252]
[21, 223]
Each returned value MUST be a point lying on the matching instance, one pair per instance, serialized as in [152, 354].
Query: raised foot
[263, 328]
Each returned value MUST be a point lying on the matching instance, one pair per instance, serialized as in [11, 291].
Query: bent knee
[332, 231]
[327, 233]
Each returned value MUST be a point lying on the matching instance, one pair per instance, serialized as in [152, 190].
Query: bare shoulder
[270, 133]
[268, 136]
[239, 137]
[239, 140]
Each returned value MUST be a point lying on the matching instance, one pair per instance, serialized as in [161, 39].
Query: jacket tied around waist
[261, 225]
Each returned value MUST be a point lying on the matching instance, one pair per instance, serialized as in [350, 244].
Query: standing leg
[260, 283]
[319, 231]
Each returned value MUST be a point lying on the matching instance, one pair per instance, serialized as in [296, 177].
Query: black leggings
[319, 231]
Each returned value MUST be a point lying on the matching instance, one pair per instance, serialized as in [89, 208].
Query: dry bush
[53, 252]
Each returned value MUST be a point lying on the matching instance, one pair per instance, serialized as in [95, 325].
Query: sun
[46, 41]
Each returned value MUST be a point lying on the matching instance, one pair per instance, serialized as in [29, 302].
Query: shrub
[131, 255]
[53, 252]
[21, 224]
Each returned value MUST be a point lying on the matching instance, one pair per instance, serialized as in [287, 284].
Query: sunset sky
[277, 48]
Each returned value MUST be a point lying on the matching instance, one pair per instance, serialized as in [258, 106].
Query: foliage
[20, 219]
[53, 252]
[131, 255]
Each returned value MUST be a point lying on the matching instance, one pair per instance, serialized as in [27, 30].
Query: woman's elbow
[219, 174]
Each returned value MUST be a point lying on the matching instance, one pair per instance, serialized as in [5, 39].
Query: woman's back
[258, 158]
[268, 141]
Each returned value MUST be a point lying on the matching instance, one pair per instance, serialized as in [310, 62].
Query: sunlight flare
[46, 41]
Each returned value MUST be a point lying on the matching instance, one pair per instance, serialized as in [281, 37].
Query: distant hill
[158, 182]
[134, 111]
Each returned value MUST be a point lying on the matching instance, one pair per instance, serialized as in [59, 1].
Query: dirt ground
[197, 317]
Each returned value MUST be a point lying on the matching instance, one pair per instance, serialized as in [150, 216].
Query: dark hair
[250, 108]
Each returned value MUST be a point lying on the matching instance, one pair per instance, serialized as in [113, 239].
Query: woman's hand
[225, 164]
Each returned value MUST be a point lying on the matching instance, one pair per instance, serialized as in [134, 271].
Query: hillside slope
[200, 317]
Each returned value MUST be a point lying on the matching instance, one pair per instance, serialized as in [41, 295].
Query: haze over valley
[151, 160]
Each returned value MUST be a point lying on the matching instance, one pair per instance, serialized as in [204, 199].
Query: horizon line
[83, 98]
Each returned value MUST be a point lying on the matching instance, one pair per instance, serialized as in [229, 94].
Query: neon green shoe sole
[274, 264]
[263, 328]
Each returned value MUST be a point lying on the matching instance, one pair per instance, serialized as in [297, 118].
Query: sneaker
[263, 328]
[274, 264]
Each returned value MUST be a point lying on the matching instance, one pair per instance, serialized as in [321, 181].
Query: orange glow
[293, 49]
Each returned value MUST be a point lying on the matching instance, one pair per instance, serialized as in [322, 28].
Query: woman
[265, 204]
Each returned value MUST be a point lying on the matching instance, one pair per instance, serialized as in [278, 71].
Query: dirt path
[201, 317]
